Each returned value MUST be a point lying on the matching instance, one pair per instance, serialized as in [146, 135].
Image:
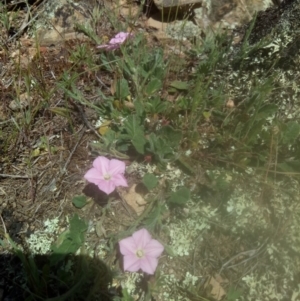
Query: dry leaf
[129, 105]
[103, 128]
[230, 104]
[134, 200]
[220, 279]
[113, 87]
[214, 289]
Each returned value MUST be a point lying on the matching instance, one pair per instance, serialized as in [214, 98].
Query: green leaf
[266, 111]
[78, 226]
[122, 89]
[139, 143]
[139, 107]
[291, 132]
[153, 86]
[155, 106]
[172, 136]
[180, 197]
[289, 166]
[159, 146]
[184, 165]
[179, 85]
[233, 294]
[253, 129]
[150, 181]
[79, 201]
[136, 133]
[154, 218]
[70, 240]
[126, 296]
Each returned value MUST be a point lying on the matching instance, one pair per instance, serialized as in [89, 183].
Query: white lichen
[130, 283]
[186, 233]
[40, 241]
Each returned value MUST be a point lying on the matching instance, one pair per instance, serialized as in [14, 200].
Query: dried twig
[4, 227]
[3, 175]
[251, 254]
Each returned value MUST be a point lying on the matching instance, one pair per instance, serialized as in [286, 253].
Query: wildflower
[140, 252]
[107, 174]
[116, 41]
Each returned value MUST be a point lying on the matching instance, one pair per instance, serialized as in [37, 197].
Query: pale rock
[182, 5]
[57, 21]
[21, 103]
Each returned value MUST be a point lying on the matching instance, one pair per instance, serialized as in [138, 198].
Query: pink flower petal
[154, 248]
[149, 264]
[107, 174]
[127, 246]
[122, 36]
[102, 165]
[131, 263]
[119, 180]
[113, 47]
[116, 41]
[142, 238]
[106, 186]
[93, 176]
[116, 167]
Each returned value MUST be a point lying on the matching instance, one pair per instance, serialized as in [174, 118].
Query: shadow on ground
[41, 277]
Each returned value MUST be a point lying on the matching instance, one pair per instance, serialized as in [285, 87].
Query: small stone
[182, 30]
[21, 103]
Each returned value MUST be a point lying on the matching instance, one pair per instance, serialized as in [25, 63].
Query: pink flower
[107, 174]
[140, 252]
[116, 41]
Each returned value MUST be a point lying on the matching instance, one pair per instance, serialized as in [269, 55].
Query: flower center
[140, 253]
[107, 177]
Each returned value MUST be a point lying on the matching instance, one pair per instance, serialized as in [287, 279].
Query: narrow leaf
[136, 133]
[179, 85]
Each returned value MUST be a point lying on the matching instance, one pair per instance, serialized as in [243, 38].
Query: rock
[227, 14]
[181, 5]
[267, 59]
[206, 15]
[182, 30]
[57, 20]
[277, 30]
